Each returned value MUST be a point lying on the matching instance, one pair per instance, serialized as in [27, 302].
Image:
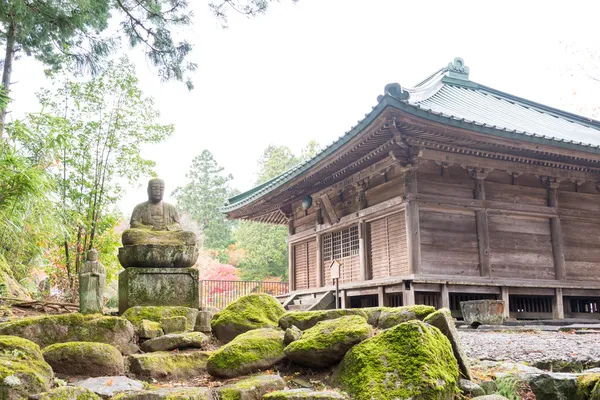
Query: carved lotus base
[158, 256]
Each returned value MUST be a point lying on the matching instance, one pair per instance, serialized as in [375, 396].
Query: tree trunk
[7, 72]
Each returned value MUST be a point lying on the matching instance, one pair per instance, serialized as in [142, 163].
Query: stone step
[297, 307]
[307, 301]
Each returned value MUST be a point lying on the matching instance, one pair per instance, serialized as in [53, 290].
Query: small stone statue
[92, 279]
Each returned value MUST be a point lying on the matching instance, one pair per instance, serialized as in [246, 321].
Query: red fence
[220, 293]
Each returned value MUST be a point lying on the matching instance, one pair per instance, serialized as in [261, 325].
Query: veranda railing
[220, 293]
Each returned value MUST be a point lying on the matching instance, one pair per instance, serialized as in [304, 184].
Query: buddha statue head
[156, 190]
[92, 255]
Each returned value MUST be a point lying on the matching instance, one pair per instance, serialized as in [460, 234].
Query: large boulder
[84, 359]
[254, 311]
[69, 393]
[307, 319]
[136, 315]
[411, 360]
[23, 371]
[168, 365]
[327, 342]
[392, 316]
[74, 327]
[174, 341]
[249, 352]
[252, 388]
[442, 319]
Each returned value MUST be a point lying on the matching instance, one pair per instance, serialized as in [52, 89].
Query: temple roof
[450, 98]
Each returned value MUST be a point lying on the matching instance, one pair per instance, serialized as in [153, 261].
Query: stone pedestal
[483, 312]
[158, 287]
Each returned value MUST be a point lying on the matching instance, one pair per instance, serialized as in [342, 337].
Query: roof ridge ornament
[457, 69]
[395, 90]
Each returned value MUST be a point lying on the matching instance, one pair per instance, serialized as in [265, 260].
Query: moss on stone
[163, 365]
[307, 319]
[411, 360]
[326, 343]
[69, 393]
[136, 315]
[304, 394]
[23, 370]
[9, 286]
[249, 352]
[588, 387]
[253, 387]
[74, 327]
[186, 393]
[392, 316]
[84, 358]
[254, 311]
[149, 329]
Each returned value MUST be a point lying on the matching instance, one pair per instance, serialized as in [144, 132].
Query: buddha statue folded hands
[155, 238]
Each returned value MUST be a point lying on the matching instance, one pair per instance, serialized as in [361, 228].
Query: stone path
[540, 349]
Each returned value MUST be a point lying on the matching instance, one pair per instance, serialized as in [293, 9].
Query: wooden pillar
[413, 234]
[291, 269]
[408, 294]
[320, 272]
[558, 308]
[506, 299]
[362, 254]
[481, 217]
[381, 300]
[445, 296]
[556, 232]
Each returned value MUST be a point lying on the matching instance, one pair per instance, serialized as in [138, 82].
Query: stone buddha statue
[155, 238]
[92, 279]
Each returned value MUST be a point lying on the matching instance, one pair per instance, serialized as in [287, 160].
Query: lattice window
[340, 244]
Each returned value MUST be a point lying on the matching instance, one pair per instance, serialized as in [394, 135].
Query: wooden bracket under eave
[329, 210]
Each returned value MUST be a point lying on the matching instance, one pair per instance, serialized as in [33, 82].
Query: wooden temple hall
[445, 192]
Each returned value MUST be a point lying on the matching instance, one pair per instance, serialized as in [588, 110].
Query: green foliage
[201, 198]
[508, 387]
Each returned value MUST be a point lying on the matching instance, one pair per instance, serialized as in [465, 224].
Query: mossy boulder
[411, 360]
[69, 393]
[74, 327]
[23, 370]
[168, 365]
[174, 324]
[9, 286]
[174, 341]
[175, 393]
[84, 358]
[291, 334]
[149, 329]
[305, 394]
[392, 316]
[588, 387]
[442, 319]
[136, 315]
[254, 311]
[249, 352]
[307, 319]
[327, 342]
[251, 388]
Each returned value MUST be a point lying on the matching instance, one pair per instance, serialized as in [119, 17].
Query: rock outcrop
[84, 358]
[253, 311]
[249, 352]
[411, 360]
[327, 342]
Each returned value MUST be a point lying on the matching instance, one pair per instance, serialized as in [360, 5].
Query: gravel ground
[539, 349]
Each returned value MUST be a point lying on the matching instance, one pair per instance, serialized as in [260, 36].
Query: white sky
[311, 70]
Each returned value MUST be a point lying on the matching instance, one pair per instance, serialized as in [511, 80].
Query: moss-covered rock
[136, 315]
[307, 319]
[75, 327]
[23, 370]
[252, 388]
[174, 324]
[411, 360]
[149, 329]
[84, 358]
[168, 365]
[392, 316]
[69, 393]
[176, 341]
[305, 394]
[327, 342]
[588, 387]
[291, 334]
[175, 393]
[254, 311]
[442, 319]
[9, 286]
[249, 352]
